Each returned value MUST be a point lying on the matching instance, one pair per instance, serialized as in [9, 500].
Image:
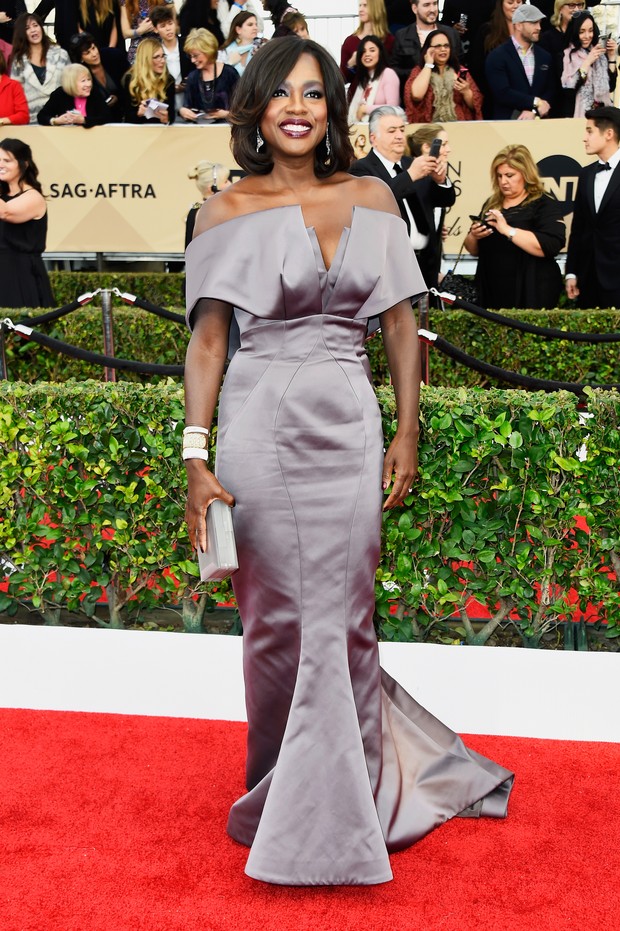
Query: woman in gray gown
[343, 766]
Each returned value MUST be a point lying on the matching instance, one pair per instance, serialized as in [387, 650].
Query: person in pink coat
[375, 84]
[13, 103]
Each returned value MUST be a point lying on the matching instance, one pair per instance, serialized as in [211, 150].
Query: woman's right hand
[202, 488]
[145, 26]
[594, 54]
[429, 57]
[188, 114]
[479, 231]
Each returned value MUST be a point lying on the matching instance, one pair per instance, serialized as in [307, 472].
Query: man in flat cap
[593, 258]
[520, 74]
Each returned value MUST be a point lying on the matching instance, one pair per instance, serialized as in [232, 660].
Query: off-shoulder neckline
[297, 207]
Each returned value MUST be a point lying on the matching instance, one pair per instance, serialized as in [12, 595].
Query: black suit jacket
[422, 196]
[60, 102]
[594, 244]
[509, 85]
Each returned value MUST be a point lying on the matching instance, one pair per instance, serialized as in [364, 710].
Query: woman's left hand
[497, 220]
[362, 110]
[611, 49]
[401, 465]
[465, 90]
[218, 114]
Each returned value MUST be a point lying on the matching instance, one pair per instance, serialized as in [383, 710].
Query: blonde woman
[210, 177]
[208, 89]
[519, 233]
[149, 80]
[100, 18]
[73, 103]
[372, 22]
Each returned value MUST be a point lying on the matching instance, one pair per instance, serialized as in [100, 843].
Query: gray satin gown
[343, 765]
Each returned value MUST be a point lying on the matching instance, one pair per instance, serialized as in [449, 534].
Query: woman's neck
[208, 72]
[35, 54]
[514, 200]
[16, 187]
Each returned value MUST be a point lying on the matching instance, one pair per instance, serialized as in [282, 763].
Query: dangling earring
[328, 145]
[260, 142]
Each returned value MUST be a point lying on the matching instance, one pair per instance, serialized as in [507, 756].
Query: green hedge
[92, 488]
[145, 337]
[163, 289]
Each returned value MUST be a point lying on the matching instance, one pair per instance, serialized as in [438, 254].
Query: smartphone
[436, 145]
[603, 40]
[463, 72]
[481, 220]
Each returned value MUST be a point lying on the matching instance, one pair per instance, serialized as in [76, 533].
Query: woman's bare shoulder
[372, 193]
[223, 206]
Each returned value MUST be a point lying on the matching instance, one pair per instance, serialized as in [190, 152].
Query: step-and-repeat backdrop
[126, 188]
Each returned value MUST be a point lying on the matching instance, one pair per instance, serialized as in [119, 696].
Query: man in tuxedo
[520, 74]
[592, 266]
[419, 185]
[407, 51]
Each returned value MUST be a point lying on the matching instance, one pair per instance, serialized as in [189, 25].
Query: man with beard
[407, 52]
[520, 74]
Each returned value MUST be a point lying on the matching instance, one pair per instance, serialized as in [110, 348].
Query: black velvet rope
[545, 332]
[513, 378]
[154, 309]
[54, 314]
[65, 349]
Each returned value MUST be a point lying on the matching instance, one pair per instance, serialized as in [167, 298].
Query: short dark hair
[28, 171]
[262, 77]
[453, 61]
[162, 14]
[78, 44]
[605, 118]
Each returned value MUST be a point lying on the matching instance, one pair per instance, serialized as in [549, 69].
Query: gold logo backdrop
[125, 188]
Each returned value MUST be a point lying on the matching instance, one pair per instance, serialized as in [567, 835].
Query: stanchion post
[108, 331]
[423, 324]
[3, 369]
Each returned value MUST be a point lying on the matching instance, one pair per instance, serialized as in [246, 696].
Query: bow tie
[603, 166]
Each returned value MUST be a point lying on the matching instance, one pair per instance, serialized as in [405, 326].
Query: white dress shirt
[418, 240]
[603, 178]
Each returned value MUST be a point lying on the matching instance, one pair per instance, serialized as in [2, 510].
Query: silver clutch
[220, 558]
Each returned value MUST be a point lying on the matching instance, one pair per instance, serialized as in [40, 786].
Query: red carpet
[116, 823]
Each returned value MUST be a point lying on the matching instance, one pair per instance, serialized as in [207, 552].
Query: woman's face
[91, 56]
[567, 10]
[247, 32]
[441, 49]
[34, 33]
[370, 56]
[445, 150]
[295, 119]
[509, 6]
[9, 167]
[199, 59]
[158, 62]
[84, 85]
[510, 181]
[586, 33]
[363, 11]
[302, 31]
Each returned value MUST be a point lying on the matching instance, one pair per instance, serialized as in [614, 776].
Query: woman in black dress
[520, 233]
[209, 87]
[23, 229]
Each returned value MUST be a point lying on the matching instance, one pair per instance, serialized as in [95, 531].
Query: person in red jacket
[13, 103]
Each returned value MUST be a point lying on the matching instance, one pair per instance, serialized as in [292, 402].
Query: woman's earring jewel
[328, 145]
[260, 142]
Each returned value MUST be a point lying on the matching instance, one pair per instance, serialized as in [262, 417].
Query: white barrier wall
[475, 690]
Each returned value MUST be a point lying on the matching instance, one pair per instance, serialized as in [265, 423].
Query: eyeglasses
[575, 6]
[443, 45]
[159, 58]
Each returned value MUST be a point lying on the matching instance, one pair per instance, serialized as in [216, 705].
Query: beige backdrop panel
[125, 188]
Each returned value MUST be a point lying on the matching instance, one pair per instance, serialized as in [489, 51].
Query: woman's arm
[522, 239]
[19, 113]
[420, 84]
[400, 338]
[30, 206]
[388, 92]
[204, 369]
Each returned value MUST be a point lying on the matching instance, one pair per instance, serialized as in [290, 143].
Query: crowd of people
[142, 63]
